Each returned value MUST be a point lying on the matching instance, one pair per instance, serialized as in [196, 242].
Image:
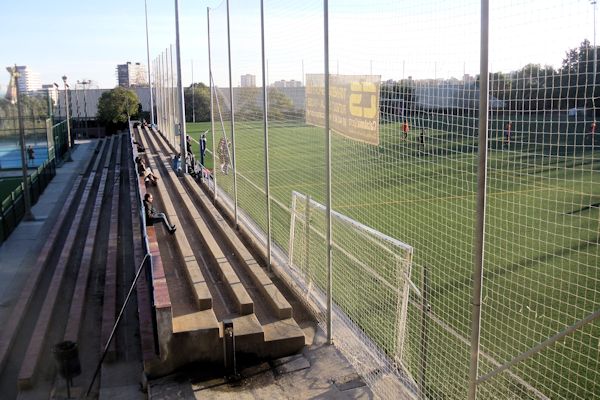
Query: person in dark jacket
[153, 216]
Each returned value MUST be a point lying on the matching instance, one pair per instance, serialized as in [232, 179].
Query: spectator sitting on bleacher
[146, 172]
[177, 163]
[188, 143]
[140, 148]
[153, 216]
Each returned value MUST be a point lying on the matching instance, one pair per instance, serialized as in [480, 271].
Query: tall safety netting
[222, 135]
[36, 113]
[542, 228]
[246, 67]
[405, 124]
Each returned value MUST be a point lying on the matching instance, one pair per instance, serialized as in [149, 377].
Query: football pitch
[541, 244]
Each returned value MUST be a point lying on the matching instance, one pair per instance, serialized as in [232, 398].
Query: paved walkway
[19, 251]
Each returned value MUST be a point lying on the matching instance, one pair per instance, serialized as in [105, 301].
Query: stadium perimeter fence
[380, 130]
[49, 141]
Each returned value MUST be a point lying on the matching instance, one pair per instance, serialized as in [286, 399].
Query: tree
[197, 96]
[577, 78]
[116, 105]
[281, 107]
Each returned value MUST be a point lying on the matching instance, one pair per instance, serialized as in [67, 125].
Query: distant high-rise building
[131, 74]
[29, 80]
[52, 90]
[283, 83]
[248, 81]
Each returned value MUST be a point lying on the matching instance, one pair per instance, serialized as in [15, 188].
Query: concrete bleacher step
[236, 289]
[194, 275]
[109, 303]
[198, 336]
[76, 310]
[278, 303]
[37, 343]
[276, 300]
[144, 297]
[10, 330]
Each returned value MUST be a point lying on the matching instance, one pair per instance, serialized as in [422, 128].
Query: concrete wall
[88, 105]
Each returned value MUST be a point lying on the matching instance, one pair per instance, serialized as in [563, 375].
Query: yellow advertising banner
[353, 105]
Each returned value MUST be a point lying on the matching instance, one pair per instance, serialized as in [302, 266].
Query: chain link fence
[43, 143]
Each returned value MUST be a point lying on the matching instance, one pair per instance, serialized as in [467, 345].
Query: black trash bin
[66, 355]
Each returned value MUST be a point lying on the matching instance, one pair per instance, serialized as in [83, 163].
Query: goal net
[370, 273]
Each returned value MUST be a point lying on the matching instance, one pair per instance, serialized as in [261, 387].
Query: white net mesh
[371, 271]
[407, 167]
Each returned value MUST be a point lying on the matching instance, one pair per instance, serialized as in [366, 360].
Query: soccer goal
[371, 273]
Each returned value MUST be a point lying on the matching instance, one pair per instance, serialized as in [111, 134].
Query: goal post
[371, 271]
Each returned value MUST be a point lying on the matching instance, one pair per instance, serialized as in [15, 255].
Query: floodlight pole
[182, 130]
[479, 239]
[328, 173]
[173, 99]
[212, 114]
[233, 164]
[149, 75]
[193, 96]
[64, 78]
[595, 63]
[266, 132]
[84, 83]
[28, 216]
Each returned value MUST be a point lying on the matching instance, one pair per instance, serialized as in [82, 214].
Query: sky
[391, 38]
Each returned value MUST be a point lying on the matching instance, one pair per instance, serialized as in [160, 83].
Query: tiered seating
[144, 300]
[37, 343]
[192, 269]
[262, 317]
[109, 305]
[77, 305]
[10, 330]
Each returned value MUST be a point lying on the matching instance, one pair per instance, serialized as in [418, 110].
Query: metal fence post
[233, 163]
[28, 216]
[328, 172]
[149, 73]
[212, 114]
[173, 102]
[181, 101]
[424, 333]
[479, 240]
[266, 133]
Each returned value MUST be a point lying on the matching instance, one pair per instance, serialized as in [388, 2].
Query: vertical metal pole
[163, 90]
[64, 78]
[182, 130]
[266, 132]
[595, 65]
[212, 113]
[328, 173]
[193, 96]
[156, 89]
[158, 84]
[77, 106]
[28, 216]
[171, 98]
[85, 83]
[233, 164]
[424, 333]
[307, 238]
[292, 231]
[166, 127]
[163, 97]
[479, 242]
[148, 57]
